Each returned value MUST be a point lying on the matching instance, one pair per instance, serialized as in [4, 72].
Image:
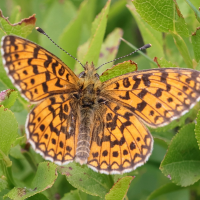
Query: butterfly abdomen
[84, 138]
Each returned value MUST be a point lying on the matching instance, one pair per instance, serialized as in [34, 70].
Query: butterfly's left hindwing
[35, 72]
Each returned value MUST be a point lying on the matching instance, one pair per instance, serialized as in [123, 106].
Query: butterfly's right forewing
[35, 72]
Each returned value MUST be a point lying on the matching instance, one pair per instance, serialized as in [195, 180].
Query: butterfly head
[89, 72]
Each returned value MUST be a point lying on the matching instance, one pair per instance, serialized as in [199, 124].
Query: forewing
[35, 72]
[156, 96]
[120, 141]
[51, 128]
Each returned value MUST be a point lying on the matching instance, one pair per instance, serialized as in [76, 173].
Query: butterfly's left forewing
[156, 96]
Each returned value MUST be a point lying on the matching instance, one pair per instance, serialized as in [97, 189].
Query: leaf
[181, 163]
[196, 44]
[72, 195]
[86, 180]
[163, 63]
[109, 49]
[71, 36]
[163, 16]
[149, 34]
[197, 129]
[22, 28]
[38, 196]
[44, 178]
[169, 187]
[97, 35]
[119, 190]
[119, 69]
[3, 184]
[8, 130]
[8, 98]
[182, 47]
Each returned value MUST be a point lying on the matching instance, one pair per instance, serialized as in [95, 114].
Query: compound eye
[82, 75]
[96, 75]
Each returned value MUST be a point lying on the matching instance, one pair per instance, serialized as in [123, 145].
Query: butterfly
[101, 124]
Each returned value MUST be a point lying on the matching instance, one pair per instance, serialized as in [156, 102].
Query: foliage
[91, 30]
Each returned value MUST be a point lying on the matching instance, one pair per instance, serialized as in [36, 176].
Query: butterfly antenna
[41, 31]
[141, 48]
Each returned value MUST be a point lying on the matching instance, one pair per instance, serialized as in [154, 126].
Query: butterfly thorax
[89, 87]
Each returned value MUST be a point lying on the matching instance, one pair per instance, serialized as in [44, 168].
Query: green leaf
[119, 190]
[44, 179]
[196, 11]
[197, 129]
[8, 130]
[149, 34]
[109, 49]
[22, 28]
[3, 183]
[38, 196]
[86, 180]
[169, 187]
[182, 47]
[181, 163]
[163, 16]
[98, 30]
[196, 44]
[163, 63]
[71, 36]
[119, 69]
[72, 195]
[9, 99]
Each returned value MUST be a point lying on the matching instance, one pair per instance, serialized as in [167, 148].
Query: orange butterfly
[100, 124]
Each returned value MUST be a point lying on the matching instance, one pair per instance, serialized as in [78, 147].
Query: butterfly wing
[156, 96]
[120, 141]
[35, 72]
[51, 128]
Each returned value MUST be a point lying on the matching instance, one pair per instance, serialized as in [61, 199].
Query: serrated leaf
[196, 44]
[86, 180]
[8, 130]
[119, 69]
[182, 161]
[98, 30]
[169, 187]
[149, 34]
[44, 178]
[71, 36]
[163, 16]
[120, 188]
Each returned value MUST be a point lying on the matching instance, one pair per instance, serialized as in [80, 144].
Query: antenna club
[40, 30]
